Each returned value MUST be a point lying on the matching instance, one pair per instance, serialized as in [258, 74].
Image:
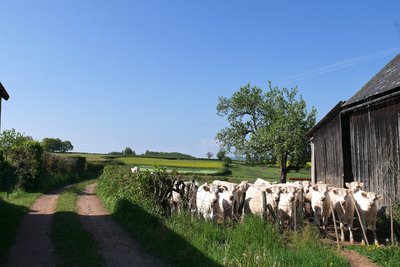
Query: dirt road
[115, 245]
[32, 245]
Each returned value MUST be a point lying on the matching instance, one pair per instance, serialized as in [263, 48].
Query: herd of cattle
[285, 204]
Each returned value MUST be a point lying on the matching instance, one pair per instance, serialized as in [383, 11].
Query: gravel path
[32, 245]
[115, 245]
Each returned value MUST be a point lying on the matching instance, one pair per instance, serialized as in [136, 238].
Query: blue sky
[147, 74]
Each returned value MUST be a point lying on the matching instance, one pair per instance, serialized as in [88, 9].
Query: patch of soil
[356, 259]
[115, 245]
[33, 245]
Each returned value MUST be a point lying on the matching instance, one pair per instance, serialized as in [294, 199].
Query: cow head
[355, 186]
[275, 192]
[341, 195]
[290, 191]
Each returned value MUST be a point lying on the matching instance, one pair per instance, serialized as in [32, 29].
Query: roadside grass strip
[388, 256]
[12, 211]
[74, 245]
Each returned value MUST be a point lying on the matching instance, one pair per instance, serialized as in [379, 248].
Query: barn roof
[3, 92]
[331, 114]
[384, 81]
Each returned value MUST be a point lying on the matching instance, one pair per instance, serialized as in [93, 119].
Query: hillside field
[212, 169]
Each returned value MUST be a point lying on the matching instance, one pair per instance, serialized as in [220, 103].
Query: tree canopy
[266, 125]
[56, 145]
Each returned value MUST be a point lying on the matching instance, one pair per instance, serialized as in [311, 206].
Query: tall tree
[265, 125]
[220, 155]
[209, 155]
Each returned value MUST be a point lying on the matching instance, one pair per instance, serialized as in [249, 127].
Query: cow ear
[206, 188]
[379, 197]
[268, 190]
[347, 185]
[283, 189]
[315, 187]
[364, 194]
[361, 184]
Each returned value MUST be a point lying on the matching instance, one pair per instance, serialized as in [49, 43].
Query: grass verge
[75, 246]
[12, 211]
[388, 256]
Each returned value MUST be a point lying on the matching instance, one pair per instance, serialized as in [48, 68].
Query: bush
[26, 158]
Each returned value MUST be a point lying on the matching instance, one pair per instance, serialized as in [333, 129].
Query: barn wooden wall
[328, 152]
[374, 136]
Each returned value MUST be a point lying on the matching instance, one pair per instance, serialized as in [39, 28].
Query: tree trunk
[283, 169]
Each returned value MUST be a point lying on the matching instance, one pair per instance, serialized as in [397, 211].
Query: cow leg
[341, 231]
[350, 227]
[373, 228]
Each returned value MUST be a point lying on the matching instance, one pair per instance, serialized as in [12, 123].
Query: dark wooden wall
[328, 152]
[375, 148]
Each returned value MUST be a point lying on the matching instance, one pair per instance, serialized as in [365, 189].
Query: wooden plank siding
[375, 147]
[328, 152]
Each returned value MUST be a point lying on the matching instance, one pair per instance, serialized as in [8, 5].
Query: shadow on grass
[11, 216]
[157, 239]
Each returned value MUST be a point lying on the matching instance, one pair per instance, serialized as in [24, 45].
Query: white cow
[367, 203]
[320, 203]
[135, 169]
[287, 205]
[344, 209]
[239, 191]
[226, 203]
[262, 200]
[175, 201]
[207, 201]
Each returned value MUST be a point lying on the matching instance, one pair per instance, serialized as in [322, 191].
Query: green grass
[74, 245]
[12, 211]
[388, 256]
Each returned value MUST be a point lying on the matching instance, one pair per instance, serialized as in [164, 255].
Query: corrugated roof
[3, 92]
[387, 79]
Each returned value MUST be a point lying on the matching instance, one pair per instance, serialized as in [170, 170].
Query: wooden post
[391, 222]
[334, 224]
[360, 219]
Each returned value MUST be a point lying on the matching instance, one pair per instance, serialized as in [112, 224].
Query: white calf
[344, 209]
[367, 203]
[287, 205]
[320, 203]
[239, 191]
[207, 201]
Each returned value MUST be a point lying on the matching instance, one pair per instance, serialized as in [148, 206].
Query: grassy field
[12, 210]
[210, 169]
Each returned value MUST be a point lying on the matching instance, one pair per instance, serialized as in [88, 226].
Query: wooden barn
[359, 140]
[3, 95]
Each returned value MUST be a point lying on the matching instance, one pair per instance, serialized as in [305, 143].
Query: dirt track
[32, 245]
[115, 245]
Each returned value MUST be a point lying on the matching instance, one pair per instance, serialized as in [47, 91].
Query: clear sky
[147, 74]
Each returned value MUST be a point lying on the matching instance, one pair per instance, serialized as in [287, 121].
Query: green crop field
[136, 161]
[237, 171]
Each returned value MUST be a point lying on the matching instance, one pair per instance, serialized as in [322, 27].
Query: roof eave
[3, 92]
